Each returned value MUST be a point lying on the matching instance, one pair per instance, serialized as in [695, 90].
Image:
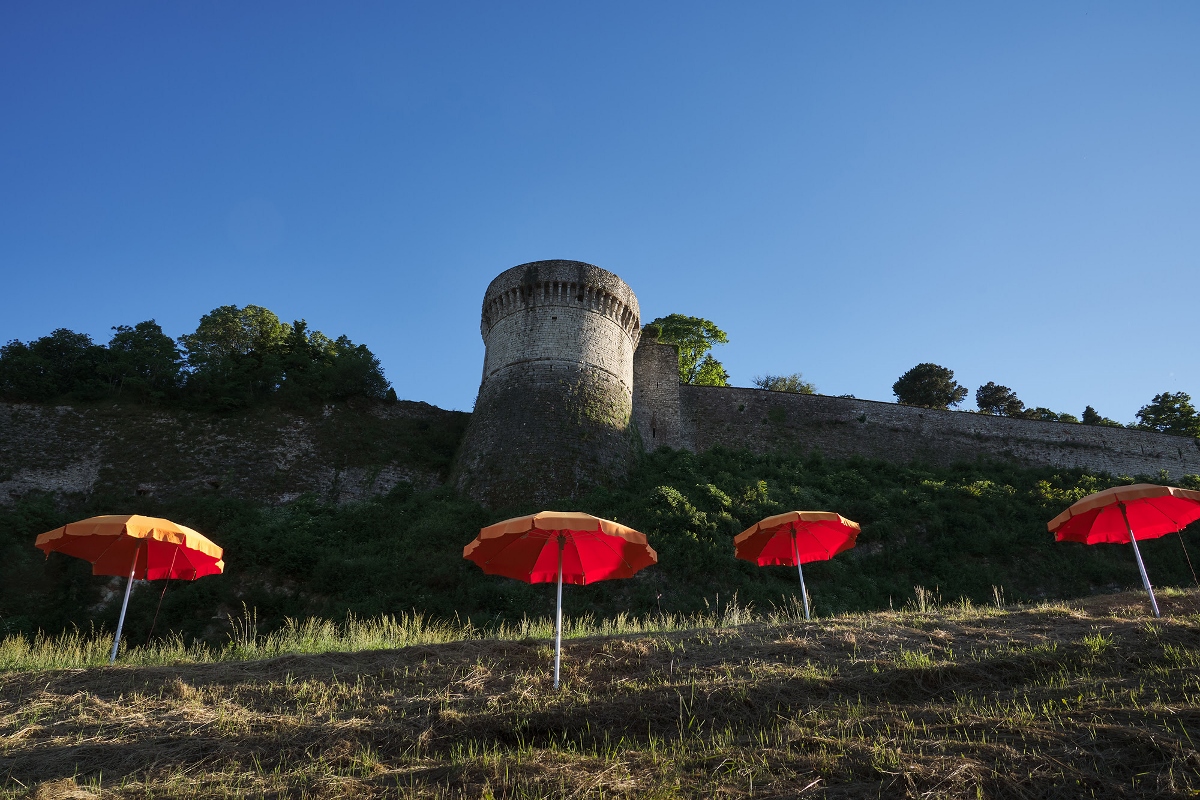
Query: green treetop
[694, 337]
[995, 399]
[794, 383]
[930, 386]
[1170, 412]
[1093, 417]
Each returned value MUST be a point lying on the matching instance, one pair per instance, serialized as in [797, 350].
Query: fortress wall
[763, 421]
[341, 454]
[656, 405]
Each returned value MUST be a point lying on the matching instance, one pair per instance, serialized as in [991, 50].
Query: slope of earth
[339, 451]
[966, 531]
[1090, 699]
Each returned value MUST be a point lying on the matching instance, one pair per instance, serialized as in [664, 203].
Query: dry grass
[1089, 698]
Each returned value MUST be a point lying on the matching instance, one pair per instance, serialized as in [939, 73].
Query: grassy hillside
[1088, 699]
[967, 531]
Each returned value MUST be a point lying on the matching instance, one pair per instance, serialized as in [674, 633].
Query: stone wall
[554, 404]
[657, 414]
[339, 453]
[763, 421]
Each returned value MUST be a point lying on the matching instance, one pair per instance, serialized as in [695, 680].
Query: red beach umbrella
[1126, 514]
[795, 538]
[562, 546]
[145, 548]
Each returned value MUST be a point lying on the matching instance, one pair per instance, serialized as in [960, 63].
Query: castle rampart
[570, 390]
[763, 421]
[555, 399]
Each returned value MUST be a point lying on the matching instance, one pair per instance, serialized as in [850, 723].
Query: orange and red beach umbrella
[1127, 514]
[795, 538]
[144, 548]
[562, 546]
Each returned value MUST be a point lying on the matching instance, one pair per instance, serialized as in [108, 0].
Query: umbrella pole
[112, 658]
[1138, 555]
[558, 616]
[800, 569]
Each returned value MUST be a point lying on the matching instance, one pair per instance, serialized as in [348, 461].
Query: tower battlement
[569, 284]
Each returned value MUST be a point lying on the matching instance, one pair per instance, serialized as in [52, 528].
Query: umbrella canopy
[794, 538]
[1152, 510]
[593, 549]
[562, 546]
[163, 549]
[819, 536]
[147, 548]
[1126, 514]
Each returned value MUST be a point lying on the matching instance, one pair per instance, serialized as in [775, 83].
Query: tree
[24, 377]
[929, 386]
[1092, 417]
[143, 361]
[794, 383]
[995, 399]
[694, 337]
[229, 331]
[1046, 415]
[235, 356]
[65, 363]
[316, 367]
[1170, 412]
[711, 373]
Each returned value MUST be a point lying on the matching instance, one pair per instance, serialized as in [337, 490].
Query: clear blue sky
[1010, 190]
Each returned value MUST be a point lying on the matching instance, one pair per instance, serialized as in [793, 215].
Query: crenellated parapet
[566, 284]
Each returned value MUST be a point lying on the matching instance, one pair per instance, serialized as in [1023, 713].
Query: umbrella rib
[614, 552]
[509, 544]
[828, 555]
[180, 550]
[116, 539]
[1166, 516]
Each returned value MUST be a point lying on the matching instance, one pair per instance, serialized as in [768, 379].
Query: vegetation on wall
[1170, 412]
[959, 531]
[991, 398]
[793, 383]
[929, 386]
[995, 399]
[933, 386]
[235, 358]
[694, 337]
[1092, 417]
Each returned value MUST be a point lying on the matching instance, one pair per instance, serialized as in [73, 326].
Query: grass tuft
[959, 700]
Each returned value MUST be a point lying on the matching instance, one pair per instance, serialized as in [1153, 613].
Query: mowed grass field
[1090, 698]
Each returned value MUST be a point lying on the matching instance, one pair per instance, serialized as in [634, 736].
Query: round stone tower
[553, 411]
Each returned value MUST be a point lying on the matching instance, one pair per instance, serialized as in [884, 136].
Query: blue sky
[1009, 190]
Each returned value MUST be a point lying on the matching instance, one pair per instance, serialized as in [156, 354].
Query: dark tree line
[927, 385]
[235, 358]
[933, 386]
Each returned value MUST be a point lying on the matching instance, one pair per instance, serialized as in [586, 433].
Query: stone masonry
[571, 391]
[569, 394]
[553, 410]
[657, 413]
[697, 418]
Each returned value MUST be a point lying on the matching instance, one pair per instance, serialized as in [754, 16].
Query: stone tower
[554, 405]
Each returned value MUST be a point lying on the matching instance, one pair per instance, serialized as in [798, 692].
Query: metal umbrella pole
[800, 569]
[112, 658]
[558, 617]
[1138, 554]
